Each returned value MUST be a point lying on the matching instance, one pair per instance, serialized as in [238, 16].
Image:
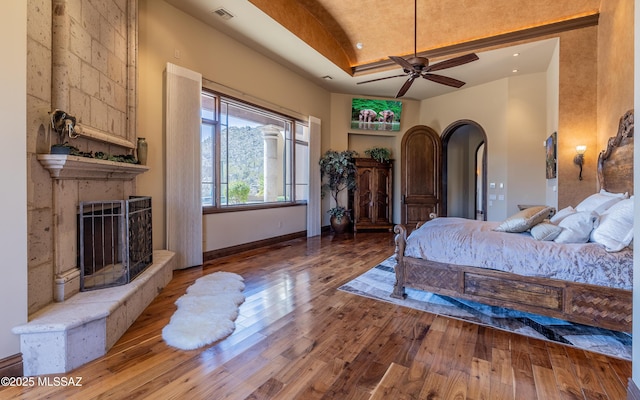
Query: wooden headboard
[615, 163]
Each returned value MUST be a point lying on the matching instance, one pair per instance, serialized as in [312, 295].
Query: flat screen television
[378, 115]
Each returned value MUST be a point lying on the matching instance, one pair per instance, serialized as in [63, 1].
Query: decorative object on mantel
[61, 148]
[338, 172]
[61, 122]
[67, 149]
[380, 154]
[142, 150]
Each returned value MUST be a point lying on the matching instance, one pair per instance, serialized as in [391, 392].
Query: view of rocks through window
[242, 175]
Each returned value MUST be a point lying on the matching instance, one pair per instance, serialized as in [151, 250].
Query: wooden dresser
[373, 200]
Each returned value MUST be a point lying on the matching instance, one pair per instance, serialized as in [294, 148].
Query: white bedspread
[474, 243]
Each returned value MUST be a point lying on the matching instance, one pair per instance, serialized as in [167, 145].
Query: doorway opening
[464, 170]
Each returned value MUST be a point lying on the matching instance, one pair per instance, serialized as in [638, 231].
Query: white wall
[13, 173]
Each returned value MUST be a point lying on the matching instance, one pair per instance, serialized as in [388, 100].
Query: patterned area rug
[377, 283]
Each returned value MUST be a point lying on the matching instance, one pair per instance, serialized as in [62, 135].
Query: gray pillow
[545, 231]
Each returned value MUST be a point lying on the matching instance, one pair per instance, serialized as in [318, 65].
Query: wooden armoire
[372, 200]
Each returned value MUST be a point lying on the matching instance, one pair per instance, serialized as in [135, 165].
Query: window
[251, 156]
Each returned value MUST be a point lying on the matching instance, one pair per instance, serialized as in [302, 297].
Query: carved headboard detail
[615, 163]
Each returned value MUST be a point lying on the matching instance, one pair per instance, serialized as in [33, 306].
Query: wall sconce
[579, 158]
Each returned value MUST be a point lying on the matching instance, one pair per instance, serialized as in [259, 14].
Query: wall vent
[222, 13]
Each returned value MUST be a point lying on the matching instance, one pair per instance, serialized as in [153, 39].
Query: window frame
[216, 123]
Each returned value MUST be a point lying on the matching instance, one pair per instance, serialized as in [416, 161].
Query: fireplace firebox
[114, 241]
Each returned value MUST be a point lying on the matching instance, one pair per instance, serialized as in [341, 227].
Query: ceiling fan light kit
[418, 67]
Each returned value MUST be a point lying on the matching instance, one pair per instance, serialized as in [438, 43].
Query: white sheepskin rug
[206, 313]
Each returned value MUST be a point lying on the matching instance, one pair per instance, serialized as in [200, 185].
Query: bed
[584, 283]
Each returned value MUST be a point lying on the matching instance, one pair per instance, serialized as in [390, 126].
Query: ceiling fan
[417, 67]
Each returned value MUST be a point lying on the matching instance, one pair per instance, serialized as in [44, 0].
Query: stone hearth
[66, 335]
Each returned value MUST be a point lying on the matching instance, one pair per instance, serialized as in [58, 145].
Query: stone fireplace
[78, 179]
[81, 326]
[82, 61]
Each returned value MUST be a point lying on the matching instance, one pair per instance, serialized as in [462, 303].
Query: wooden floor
[298, 337]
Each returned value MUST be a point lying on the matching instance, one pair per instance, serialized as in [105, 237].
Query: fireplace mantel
[74, 167]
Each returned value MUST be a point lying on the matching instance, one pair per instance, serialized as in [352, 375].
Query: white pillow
[615, 230]
[623, 196]
[576, 228]
[597, 202]
[545, 231]
[562, 214]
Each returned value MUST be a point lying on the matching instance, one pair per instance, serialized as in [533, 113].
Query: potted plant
[380, 154]
[63, 148]
[338, 172]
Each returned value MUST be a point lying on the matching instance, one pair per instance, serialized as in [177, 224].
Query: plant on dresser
[380, 154]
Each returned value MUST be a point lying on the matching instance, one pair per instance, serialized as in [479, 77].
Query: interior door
[421, 175]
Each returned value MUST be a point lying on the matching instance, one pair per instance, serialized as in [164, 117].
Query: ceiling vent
[222, 13]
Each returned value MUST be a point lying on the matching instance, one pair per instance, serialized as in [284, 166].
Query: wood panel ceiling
[386, 27]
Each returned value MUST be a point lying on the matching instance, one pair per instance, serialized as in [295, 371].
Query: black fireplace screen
[114, 241]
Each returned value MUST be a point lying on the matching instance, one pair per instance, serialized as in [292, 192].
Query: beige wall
[526, 122]
[593, 96]
[13, 164]
[168, 35]
[471, 104]
[615, 68]
[577, 114]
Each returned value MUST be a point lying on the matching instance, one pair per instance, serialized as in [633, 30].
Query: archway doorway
[464, 176]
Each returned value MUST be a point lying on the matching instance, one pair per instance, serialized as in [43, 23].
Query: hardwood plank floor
[298, 337]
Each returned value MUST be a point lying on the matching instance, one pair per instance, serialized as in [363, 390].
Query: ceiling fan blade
[445, 80]
[402, 62]
[405, 87]
[453, 62]
[380, 79]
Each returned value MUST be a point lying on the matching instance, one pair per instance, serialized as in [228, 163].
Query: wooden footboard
[576, 302]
